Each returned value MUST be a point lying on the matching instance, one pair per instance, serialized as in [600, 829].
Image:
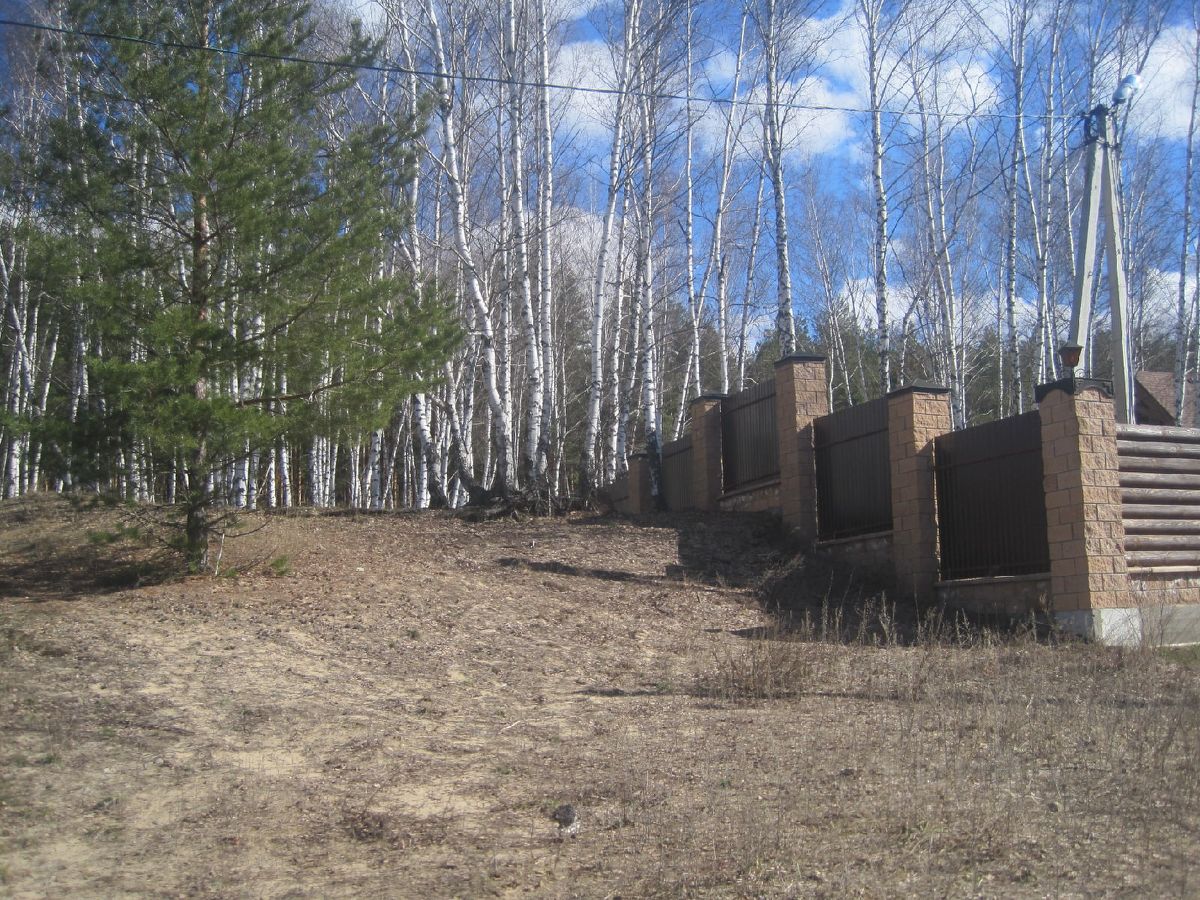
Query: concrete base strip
[1134, 626]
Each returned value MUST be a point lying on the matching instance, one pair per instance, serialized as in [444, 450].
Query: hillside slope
[392, 705]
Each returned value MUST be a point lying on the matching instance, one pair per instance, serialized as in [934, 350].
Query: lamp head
[1129, 86]
[1069, 354]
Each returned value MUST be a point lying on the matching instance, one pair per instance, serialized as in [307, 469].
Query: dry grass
[768, 667]
[395, 712]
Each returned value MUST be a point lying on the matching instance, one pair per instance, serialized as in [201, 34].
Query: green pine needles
[234, 224]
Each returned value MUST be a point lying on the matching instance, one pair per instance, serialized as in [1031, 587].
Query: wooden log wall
[1160, 497]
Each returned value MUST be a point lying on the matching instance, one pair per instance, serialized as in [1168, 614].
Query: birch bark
[501, 428]
[587, 464]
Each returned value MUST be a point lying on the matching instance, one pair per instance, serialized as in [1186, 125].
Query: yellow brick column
[705, 412]
[1089, 582]
[801, 395]
[916, 415]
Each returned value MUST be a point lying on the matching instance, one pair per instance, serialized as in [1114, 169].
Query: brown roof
[1154, 399]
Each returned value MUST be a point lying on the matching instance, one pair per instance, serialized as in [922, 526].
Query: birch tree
[626, 59]
[1183, 310]
[879, 23]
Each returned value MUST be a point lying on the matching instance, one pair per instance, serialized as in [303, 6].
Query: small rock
[1053, 806]
[567, 818]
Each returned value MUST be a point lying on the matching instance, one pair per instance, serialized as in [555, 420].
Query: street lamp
[1129, 86]
[1069, 354]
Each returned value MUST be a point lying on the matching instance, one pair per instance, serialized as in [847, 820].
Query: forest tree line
[261, 254]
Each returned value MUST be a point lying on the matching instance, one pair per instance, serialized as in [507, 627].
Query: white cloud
[710, 126]
[369, 12]
[806, 133]
[958, 85]
[586, 64]
[847, 60]
[571, 10]
[813, 132]
[577, 235]
[993, 17]
[719, 69]
[1158, 300]
[1164, 104]
[961, 81]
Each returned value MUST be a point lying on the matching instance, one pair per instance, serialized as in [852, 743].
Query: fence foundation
[801, 395]
[916, 415]
[1089, 582]
[706, 451]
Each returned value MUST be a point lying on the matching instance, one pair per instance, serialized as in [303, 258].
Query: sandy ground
[390, 706]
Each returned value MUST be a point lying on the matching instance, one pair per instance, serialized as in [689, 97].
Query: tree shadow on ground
[719, 549]
[558, 568]
[70, 576]
[47, 552]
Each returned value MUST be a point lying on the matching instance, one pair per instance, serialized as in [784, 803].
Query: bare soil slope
[390, 706]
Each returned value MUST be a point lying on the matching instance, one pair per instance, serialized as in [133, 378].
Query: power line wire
[511, 82]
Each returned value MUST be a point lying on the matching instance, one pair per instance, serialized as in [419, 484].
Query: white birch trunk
[748, 292]
[587, 465]
[871, 13]
[500, 426]
[545, 214]
[785, 324]
[531, 466]
[615, 461]
[716, 255]
[1183, 330]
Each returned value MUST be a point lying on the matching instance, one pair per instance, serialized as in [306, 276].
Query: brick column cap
[800, 358]
[641, 454]
[1072, 385]
[710, 396]
[919, 387]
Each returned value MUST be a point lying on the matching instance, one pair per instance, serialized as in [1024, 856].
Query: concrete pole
[1118, 297]
[1085, 260]
[1100, 194]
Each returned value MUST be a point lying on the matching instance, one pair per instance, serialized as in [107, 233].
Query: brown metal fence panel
[619, 491]
[854, 475]
[677, 474]
[991, 501]
[749, 446]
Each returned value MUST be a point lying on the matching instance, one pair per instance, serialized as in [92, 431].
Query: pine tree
[238, 234]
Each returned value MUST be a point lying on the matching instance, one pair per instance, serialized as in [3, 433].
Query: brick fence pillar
[640, 499]
[705, 413]
[916, 415]
[1089, 581]
[801, 395]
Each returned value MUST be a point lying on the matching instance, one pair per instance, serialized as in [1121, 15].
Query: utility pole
[1100, 195]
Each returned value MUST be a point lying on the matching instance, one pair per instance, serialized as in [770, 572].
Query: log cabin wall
[1160, 498]
[1160, 508]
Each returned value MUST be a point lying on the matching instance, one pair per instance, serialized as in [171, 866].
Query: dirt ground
[391, 706]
